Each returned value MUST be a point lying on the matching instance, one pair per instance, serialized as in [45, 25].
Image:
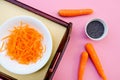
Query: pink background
[107, 49]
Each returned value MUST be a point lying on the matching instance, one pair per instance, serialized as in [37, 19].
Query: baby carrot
[91, 51]
[83, 61]
[74, 12]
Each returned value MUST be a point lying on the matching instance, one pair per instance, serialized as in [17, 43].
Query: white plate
[12, 65]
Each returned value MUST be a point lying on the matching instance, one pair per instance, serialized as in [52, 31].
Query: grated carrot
[24, 44]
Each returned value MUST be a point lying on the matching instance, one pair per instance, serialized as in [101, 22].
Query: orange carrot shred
[24, 44]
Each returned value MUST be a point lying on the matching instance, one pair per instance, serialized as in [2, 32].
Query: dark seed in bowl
[95, 29]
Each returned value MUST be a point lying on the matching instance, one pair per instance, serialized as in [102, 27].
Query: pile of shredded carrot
[24, 44]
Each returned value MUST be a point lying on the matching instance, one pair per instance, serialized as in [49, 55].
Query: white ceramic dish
[105, 29]
[12, 65]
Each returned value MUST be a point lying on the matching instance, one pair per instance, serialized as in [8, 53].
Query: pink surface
[107, 49]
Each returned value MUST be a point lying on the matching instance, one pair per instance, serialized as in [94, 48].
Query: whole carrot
[74, 12]
[92, 53]
[83, 61]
